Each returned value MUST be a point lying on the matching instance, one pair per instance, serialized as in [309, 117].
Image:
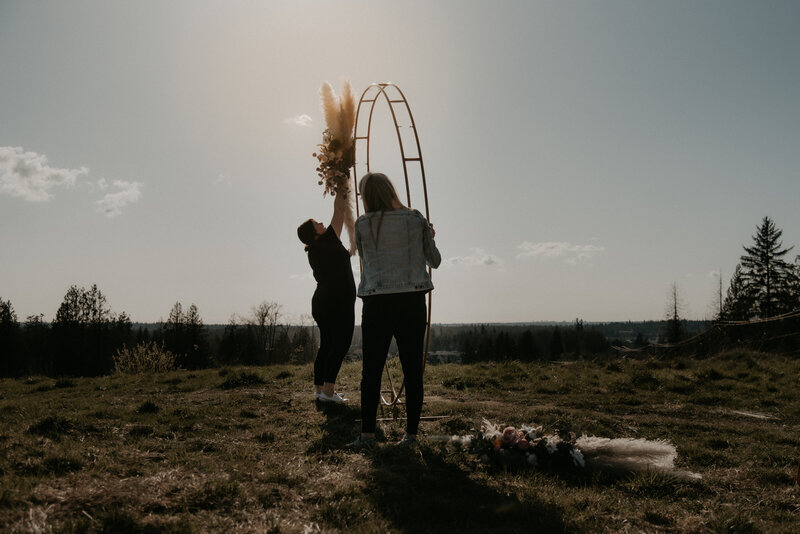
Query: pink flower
[510, 436]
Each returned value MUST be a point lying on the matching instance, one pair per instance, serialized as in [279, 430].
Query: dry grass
[247, 450]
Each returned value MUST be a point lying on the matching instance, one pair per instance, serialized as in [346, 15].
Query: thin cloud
[28, 175]
[572, 254]
[301, 120]
[221, 179]
[477, 257]
[112, 203]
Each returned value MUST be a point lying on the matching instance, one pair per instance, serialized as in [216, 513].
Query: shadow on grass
[339, 426]
[419, 490]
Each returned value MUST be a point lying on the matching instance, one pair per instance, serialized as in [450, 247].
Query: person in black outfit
[334, 299]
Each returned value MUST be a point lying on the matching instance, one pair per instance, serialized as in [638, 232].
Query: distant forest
[760, 310]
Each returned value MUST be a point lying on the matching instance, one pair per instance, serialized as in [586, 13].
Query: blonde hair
[377, 192]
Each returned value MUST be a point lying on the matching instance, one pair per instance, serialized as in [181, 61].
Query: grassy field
[247, 450]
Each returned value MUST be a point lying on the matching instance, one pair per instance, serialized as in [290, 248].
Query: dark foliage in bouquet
[515, 449]
[335, 160]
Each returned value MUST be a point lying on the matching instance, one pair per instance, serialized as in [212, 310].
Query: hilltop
[245, 449]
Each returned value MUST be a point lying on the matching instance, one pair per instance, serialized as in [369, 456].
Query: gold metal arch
[393, 96]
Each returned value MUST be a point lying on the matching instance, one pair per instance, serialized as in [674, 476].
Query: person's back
[396, 244]
[396, 247]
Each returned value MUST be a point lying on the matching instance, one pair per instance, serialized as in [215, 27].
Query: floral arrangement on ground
[527, 447]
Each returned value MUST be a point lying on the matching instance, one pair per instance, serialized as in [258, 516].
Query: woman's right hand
[339, 201]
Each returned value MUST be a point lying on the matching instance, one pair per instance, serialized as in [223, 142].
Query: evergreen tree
[172, 332]
[467, 345]
[36, 340]
[7, 313]
[673, 328]
[528, 351]
[86, 333]
[185, 335]
[505, 348]
[769, 278]
[194, 339]
[556, 344]
[10, 364]
[739, 301]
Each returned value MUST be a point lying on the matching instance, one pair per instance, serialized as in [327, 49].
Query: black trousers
[404, 317]
[336, 325]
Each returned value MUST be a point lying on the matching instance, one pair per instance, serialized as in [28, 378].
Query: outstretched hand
[339, 201]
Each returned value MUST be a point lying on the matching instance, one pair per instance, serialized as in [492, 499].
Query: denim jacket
[395, 252]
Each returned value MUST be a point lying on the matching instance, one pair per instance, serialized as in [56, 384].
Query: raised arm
[337, 221]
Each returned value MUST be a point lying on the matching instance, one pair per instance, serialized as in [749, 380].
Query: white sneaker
[338, 399]
[407, 440]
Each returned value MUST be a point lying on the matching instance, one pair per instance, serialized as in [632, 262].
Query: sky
[581, 157]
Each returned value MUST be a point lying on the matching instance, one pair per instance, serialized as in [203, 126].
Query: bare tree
[718, 300]
[305, 339]
[265, 318]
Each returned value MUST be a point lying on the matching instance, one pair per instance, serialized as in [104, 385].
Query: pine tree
[9, 337]
[673, 328]
[556, 344]
[86, 332]
[768, 277]
[739, 301]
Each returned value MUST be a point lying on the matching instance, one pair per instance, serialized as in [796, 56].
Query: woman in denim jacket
[396, 246]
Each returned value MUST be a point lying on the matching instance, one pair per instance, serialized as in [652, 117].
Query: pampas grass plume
[625, 455]
[330, 105]
[340, 112]
[347, 115]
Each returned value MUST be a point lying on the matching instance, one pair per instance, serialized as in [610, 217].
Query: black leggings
[404, 316]
[335, 336]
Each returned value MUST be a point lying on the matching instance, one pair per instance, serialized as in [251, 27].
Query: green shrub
[144, 358]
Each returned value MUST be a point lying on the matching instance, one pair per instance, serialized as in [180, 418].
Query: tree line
[86, 336]
[523, 343]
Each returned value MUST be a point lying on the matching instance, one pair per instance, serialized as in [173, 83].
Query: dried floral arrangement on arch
[336, 154]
